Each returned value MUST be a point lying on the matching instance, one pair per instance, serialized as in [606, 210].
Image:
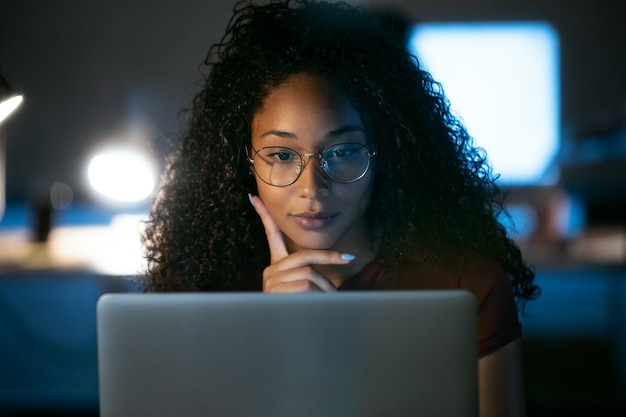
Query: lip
[314, 221]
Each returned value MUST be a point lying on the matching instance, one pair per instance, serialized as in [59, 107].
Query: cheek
[264, 191]
[366, 195]
[273, 197]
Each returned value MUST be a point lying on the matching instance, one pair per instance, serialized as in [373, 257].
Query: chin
[306, 241]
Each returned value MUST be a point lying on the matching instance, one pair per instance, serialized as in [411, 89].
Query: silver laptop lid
[375, 353]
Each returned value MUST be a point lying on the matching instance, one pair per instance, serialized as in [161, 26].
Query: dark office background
[91, 69]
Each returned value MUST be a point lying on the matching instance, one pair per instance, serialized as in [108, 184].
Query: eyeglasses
[343, 163]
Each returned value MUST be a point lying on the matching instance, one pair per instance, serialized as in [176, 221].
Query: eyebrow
[279, 133]
[346, 129]
[332, 134]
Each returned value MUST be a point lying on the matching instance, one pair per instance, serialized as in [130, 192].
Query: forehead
[305, 106]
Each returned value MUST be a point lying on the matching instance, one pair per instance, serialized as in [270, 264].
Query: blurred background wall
[118, 72]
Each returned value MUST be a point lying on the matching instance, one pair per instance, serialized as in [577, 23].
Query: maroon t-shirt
[498, 322]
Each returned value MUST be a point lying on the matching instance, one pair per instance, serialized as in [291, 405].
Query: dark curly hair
[434, 194]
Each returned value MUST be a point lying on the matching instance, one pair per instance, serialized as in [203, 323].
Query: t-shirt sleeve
[498, 321]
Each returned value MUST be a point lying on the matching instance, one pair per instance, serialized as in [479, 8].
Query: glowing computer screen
[503, 81]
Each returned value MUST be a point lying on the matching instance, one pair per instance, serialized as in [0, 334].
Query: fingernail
[250, 198]
[347, 257]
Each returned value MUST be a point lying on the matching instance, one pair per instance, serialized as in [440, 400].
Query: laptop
[348, 354]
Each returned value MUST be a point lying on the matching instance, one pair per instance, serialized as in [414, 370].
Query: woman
[358, 175]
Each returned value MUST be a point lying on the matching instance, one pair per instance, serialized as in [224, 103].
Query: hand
[294, 272]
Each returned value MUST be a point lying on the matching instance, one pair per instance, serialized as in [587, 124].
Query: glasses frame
[322, 162]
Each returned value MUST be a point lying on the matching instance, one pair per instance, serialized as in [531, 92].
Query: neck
[339, 274]
[357, 243]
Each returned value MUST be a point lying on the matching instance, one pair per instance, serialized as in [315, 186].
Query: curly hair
[433, 190]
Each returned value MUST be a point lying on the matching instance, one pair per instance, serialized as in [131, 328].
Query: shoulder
[485, 278]
[473, 273]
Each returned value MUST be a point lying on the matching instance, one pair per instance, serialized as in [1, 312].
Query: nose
[313, 183]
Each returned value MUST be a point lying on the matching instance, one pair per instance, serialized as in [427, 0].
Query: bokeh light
[122, 175]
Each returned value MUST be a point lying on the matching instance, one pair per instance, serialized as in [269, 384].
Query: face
[307, 115]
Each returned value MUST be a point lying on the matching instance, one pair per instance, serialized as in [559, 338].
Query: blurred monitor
[503, 81]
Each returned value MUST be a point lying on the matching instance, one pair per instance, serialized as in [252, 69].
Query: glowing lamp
[10, 97]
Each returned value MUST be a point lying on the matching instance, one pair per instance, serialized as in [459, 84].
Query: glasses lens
[277, 166]
[346, 162]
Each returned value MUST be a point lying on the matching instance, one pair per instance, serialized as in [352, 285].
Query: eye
[281, 155]
[343, 151]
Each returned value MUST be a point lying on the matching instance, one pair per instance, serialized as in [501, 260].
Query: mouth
[314, 221]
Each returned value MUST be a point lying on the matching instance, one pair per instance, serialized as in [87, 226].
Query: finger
[308, 257]
[300, 266]
[275, 239]
[297, 280]
[294, 286]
